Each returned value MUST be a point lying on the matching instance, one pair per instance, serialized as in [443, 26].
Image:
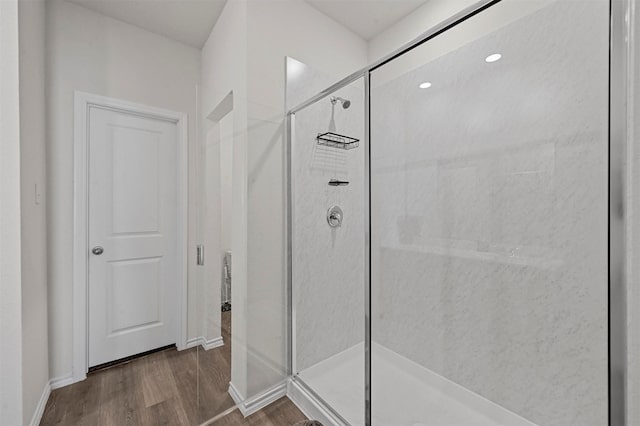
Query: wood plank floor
[165, 388]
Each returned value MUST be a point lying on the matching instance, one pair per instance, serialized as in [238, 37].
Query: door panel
[137, 192]
[134, 287]
[133, 284]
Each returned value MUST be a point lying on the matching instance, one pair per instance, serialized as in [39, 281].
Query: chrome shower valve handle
[334, 216]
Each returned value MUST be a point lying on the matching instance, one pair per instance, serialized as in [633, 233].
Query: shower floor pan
[404, 393]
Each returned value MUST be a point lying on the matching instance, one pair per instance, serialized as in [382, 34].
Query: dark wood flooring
[164, 388]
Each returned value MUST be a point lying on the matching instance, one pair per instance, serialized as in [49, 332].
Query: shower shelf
[335, 140]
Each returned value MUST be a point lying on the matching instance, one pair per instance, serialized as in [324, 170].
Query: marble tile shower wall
[489, 215]
[328, 263]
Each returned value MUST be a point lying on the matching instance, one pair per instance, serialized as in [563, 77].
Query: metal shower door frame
[620, 45]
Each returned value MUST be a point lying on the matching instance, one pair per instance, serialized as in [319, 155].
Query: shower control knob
[334, 216]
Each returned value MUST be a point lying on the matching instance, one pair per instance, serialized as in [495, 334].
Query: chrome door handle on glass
[97, 250]
[334, 217]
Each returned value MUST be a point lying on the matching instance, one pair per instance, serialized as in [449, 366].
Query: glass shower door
[489, 153]
[327, 254]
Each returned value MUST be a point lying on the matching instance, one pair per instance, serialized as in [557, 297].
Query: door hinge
[200, 255]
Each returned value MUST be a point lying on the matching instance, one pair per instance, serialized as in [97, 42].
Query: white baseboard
[216, 342]
[235, 394]
[258, 402]
[212, 343]
[311, 406]
[37, 415]
[52, 384]
[60, 382]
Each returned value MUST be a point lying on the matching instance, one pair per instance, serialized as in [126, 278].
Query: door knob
[97, 250]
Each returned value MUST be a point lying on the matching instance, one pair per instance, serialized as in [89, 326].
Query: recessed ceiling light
[493, 58]
[425, 85]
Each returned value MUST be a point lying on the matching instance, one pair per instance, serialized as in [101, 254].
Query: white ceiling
[187, 21]
[191, 21]
[367, 18]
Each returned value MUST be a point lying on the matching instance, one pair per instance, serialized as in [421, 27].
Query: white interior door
[133, 282]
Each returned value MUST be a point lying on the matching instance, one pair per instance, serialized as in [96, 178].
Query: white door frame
[84, 101]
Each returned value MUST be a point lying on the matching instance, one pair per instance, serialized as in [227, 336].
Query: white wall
[96, 54]
[245, 54]
[10, 292]
[223, 72]
[425, 17]
[226, 190]
[278, 29]
[34, 240]
[23, 293]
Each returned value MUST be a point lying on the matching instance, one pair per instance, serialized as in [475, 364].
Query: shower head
[346, 103]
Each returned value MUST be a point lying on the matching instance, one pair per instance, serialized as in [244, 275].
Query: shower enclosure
[455, 234]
